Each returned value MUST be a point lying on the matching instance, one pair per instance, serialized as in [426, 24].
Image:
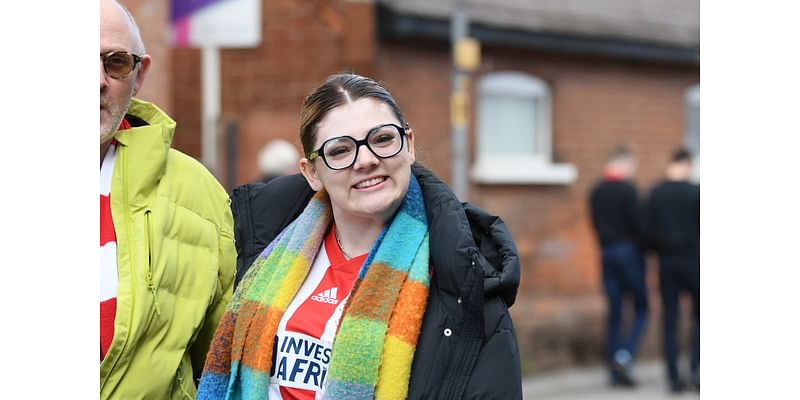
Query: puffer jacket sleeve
[468, 346]
[261, 211]
[497, 373]
[501, 264]
[225, 275]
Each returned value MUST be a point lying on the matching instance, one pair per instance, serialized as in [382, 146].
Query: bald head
[118, 24]
[622, 162]
[118, 33]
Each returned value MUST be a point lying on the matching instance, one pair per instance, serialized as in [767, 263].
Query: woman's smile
[370, 183]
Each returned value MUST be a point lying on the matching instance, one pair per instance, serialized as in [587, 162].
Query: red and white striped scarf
[108, 255]
[108, 249]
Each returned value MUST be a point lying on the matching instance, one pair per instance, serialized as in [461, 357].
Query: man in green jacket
[166, 241]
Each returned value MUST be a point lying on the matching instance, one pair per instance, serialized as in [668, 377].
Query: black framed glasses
[341, 152]
[119, 64]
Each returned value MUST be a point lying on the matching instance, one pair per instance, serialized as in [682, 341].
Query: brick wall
[152, 17]
[263, 88]
[597, 103]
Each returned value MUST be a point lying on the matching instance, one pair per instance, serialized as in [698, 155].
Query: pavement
[591, 383]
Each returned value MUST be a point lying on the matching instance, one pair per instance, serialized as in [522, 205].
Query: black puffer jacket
[468, 347]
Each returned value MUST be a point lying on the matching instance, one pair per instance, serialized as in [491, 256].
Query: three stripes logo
[327, 296]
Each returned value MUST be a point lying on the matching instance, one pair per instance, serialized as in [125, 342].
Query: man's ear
[309, 172]
[144, 67]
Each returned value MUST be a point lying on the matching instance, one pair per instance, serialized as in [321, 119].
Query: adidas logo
[328, 296]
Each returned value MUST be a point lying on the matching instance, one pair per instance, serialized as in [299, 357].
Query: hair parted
[335, 91]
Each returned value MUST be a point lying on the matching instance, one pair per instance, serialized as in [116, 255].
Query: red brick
[597, 103]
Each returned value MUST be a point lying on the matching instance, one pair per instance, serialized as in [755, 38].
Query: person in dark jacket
[365, 277]
[616, 216]
[674, 229]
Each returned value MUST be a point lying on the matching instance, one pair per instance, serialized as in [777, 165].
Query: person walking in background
[277, 158]
[673, 209]
[167, 256]
[378, 282]
[616, 217]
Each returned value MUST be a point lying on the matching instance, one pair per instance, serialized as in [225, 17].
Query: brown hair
[335, 91]
[681, 154]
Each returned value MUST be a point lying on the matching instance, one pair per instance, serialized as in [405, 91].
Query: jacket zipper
[149, 275]
[454, 383]
[184, 393]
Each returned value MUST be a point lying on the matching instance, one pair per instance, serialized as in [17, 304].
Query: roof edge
[397, 25]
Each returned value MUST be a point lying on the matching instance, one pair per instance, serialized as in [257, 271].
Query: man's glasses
[119, 64]
[341, 152]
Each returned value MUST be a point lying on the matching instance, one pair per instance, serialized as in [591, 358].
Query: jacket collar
[146, 148]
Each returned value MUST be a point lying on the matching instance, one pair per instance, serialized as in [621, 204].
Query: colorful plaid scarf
[374, 347]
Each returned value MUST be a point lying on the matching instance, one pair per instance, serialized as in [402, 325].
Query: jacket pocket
[497, 373]
[148, 239]
[182, 386]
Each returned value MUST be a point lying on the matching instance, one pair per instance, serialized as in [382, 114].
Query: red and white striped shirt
[305, 336]
[108, 254]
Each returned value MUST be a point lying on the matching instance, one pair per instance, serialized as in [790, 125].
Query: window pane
[508, 125]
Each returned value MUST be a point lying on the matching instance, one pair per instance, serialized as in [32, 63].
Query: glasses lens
[385, 141]
[118, 65]
[339, 152]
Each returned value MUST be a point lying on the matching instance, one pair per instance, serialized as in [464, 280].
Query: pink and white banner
[216, 23]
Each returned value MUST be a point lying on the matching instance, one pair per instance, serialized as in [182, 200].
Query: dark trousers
[624, 275]
[678, 274]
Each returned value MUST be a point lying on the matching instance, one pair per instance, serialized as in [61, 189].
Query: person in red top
[380, 284]
[617, 219]
[167, 256]
[304, 340]
[117, 87]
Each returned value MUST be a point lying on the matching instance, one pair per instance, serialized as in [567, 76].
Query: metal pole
[458, 119]
[231, 150]
[211, 107]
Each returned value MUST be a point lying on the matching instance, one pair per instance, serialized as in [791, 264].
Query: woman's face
[372, 187]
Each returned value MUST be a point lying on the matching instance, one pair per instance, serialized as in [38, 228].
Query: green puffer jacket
[176, 262]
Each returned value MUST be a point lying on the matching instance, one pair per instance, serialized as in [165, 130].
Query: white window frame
[533, 168]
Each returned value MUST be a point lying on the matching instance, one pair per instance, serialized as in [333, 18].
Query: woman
[376, 283]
